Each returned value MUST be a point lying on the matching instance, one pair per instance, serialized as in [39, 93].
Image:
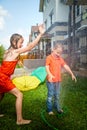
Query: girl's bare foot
[23, 122]
[1, 115]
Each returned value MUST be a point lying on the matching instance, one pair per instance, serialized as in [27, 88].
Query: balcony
[78, 2]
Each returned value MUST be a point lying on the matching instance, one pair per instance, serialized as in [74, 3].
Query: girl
[7, 68]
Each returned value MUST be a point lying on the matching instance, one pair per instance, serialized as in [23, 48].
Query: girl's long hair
[14, 38]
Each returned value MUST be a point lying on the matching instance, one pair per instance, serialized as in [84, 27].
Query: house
[66, 22]
[77, 32]
[41, 50]
[55, 18]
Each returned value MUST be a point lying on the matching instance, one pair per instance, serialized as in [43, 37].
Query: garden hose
[58, 115]
[45, 120]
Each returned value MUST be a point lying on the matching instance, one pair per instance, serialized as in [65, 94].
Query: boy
[54, 63]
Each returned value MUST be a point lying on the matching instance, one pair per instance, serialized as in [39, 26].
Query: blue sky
[17, 16]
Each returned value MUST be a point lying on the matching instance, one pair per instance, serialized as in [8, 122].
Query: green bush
[2, 50]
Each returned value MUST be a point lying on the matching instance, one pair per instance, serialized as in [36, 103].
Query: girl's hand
[41, 28]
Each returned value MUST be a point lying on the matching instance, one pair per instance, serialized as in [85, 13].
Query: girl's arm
[31, 45]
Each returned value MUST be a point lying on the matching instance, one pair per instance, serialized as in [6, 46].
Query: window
[51, 17]
[48, 1]
[45, 24]
[78, 10]
[84, 15]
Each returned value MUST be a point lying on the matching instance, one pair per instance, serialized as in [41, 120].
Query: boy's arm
[67, 68]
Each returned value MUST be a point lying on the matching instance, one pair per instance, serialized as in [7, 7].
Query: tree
[2, 49]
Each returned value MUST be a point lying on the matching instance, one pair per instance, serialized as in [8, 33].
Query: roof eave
[41, 5]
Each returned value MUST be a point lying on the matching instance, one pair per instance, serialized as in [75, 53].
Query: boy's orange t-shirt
[55, 64]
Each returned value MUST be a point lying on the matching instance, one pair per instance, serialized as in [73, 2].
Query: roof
[34, 29]
[46, 36]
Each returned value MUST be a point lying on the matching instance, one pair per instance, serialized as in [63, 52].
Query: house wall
[81, 34]
[58, 28]
[62, 11]
[47, 10]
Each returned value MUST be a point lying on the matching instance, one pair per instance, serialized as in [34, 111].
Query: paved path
[21, 72]
[26, 71]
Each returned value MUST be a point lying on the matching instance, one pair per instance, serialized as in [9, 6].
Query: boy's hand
[74, 78]
[50, 77]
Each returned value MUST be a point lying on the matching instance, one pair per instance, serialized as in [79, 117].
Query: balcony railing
[78, 2]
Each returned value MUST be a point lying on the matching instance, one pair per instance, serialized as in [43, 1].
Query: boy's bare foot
[1, 115]
[23, 122]
[51, 113]
[60, 111]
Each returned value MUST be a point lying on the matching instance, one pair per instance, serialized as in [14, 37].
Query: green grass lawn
[73, 100]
